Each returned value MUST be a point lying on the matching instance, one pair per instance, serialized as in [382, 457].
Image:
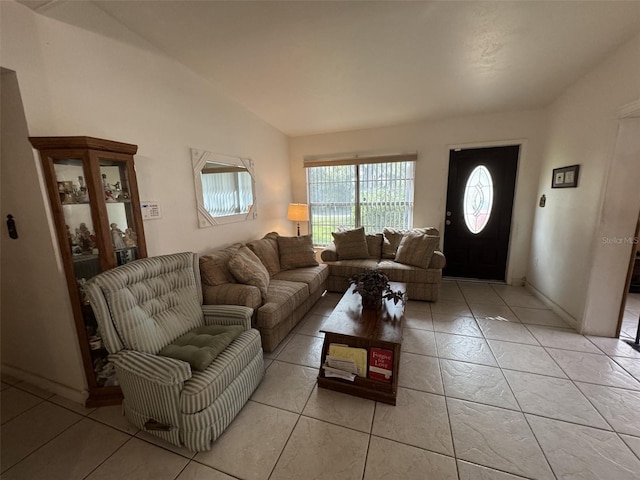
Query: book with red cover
[380, 364]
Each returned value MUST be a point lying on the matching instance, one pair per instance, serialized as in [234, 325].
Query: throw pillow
[267, 251]
[248, 269]
[416, 249]
[202, 345]
[374, 245]
[392, 239]
[296, 252]
[351, 244]
[214, 268]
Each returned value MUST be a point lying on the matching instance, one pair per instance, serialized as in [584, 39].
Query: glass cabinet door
[76, 201]
[117, 196]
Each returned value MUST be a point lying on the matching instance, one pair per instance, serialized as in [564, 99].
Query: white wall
[37, 329]
[432, 140]
[583, 130]
[74, 82]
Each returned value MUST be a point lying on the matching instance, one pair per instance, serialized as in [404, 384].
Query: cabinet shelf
[89, 203]
[95, 233]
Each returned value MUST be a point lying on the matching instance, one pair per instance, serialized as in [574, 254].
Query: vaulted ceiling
[310, 67]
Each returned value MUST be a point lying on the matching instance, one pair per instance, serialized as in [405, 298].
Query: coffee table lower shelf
[361, 387]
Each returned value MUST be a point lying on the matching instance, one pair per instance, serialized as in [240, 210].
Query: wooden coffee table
[350, 325]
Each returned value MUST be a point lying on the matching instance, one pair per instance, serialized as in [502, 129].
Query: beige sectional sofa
[412, 257]
[279, 277]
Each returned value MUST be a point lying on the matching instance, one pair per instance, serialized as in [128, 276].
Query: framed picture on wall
[565, 177]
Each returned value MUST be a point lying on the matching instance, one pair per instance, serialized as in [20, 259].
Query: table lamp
[298, 212]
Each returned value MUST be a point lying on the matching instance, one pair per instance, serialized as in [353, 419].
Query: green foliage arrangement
[375, 284]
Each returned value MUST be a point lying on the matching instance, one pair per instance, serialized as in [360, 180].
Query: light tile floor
[493, 386]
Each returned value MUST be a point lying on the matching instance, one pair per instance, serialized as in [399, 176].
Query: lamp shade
[298, 212]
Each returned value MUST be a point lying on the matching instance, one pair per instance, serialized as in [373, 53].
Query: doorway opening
[629, 317]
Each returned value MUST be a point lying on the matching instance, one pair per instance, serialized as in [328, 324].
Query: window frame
[356, 162]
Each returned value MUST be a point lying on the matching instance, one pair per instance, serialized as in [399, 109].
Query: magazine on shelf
[337, 373]
[349, 356]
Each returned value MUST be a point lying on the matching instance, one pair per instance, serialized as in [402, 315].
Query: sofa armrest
[232, 294]
[329, 254]
[159, 370]
[227, 315]
[437, 260]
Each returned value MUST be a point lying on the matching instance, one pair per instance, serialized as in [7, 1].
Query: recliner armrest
[227, 315]
[154, 368]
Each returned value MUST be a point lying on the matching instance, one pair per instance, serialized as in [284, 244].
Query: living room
[60, 79]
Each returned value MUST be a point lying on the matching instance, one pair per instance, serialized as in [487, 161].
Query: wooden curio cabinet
[96, 210]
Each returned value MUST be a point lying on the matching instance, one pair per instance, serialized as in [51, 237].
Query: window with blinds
[373, 195]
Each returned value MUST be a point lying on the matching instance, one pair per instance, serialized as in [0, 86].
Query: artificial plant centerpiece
[373, 286]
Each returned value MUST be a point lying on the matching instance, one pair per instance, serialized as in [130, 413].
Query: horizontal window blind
[357, 159]
[374, 195]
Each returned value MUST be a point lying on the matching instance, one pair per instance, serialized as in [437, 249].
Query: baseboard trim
[78, 396]
[554, 307]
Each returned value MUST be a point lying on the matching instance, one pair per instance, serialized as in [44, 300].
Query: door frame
[517, 202]
[609, 268]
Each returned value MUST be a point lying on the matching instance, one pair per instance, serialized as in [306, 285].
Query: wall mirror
[225, 188]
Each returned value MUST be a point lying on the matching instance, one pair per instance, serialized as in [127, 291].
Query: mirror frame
[199, 158]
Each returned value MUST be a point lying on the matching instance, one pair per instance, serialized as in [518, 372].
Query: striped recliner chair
[146, 305]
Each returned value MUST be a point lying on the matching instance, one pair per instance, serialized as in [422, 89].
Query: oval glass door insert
[478, 199]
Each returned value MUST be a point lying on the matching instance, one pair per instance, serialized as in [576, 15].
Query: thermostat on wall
[150, 210]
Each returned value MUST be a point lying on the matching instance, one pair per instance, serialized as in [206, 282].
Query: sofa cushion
[248, 269]
[296, 252]
[282, 299]
[202, 345]
[203, 388]
[399, 272]
[314, 277]
[267, 251]
[214, 268]
[416, 249]
[346, 268]
[351, 244]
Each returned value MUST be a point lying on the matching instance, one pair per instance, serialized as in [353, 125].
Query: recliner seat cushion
[202, 345]
[203, 388]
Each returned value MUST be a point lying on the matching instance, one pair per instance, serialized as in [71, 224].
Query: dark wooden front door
[478, 216]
